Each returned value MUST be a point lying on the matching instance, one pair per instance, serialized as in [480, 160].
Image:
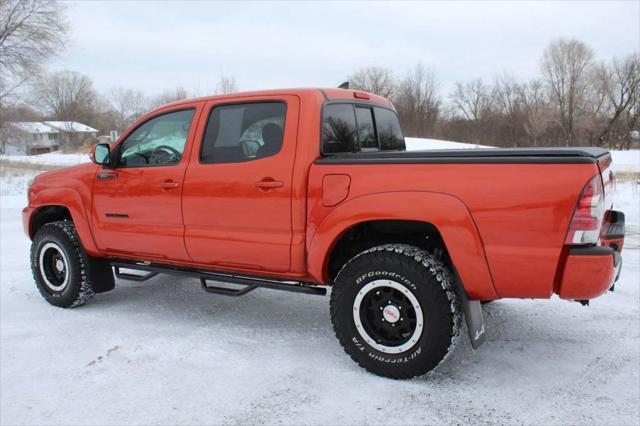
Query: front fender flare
[71, 199]
[446, 212]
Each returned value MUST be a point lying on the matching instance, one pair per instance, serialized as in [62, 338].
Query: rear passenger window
[339, 129]
[243, 132]
[389, 131]
[352, 128]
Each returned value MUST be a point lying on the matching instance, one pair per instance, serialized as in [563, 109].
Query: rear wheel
[59, 265]
[395, 311]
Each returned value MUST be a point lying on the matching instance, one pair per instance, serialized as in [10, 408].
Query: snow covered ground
[52, 158]
[164, 352]
[626, 161]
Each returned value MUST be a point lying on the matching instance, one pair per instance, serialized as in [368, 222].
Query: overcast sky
[154, 46]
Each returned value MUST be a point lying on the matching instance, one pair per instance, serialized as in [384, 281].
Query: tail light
[587, 218]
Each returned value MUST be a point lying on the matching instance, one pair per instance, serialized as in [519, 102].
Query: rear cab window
[352, 127]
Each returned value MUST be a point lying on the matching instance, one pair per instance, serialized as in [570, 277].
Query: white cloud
[154, 46]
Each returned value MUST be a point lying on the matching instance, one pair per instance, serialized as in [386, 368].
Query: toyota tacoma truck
[310, 189]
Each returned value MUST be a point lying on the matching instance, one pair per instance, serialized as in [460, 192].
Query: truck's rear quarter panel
[521, 211]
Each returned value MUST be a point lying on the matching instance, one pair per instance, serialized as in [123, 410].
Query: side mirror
[100, 153]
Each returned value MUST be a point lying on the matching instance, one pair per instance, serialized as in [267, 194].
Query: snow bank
[623, 161]
[50, 159]
[416, 144]
[626, 161]
[15, 183]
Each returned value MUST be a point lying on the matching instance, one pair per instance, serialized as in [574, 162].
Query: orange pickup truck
[309, 189]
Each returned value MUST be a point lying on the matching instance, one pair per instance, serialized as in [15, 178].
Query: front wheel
[60, 265]
[395, 311]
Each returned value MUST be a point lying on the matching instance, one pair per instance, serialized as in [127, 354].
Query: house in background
[73, 129]
[30, 138]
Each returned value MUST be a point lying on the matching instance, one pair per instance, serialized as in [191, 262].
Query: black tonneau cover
[481, 155]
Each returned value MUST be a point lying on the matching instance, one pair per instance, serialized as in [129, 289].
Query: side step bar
[132, 277]
[250, 283]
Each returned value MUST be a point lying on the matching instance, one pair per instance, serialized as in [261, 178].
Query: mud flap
[472, 314]
[100, 275]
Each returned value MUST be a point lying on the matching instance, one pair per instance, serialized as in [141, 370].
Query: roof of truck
[329, 94]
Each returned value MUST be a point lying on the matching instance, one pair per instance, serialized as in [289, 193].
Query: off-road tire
[427, 279]
[78, 289]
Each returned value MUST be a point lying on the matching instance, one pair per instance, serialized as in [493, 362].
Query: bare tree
[67, 96]
[418, 102]
[565, 65]
[168, 96]
[536, 111]
[621, 83]
[473, 102]
[31, 32]
[128, 105]
[377, 80]
[508, 103]
[226, 85]
[632, 117]
[471, 99]
[596, 108]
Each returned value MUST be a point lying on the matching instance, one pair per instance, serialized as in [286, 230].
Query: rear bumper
[591, 271]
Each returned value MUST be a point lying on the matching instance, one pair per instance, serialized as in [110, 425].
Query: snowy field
[164, 352]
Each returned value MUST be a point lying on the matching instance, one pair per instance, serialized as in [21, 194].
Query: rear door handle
[269, 184]
[169, 184]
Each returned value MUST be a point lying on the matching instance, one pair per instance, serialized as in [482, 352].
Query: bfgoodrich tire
[60, 265]
[395, 311]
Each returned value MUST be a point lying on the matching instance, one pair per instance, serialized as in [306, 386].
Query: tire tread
[67, 230]
[409, 257]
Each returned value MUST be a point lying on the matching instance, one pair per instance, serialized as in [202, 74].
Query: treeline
[575, 100]
[71, 96]
[32, 33]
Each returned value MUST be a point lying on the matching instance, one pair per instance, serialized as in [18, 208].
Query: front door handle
[107, 175]
[169, 184]
[267, 185]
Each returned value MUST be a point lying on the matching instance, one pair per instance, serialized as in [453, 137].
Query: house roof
[33, 127]
[70, 126]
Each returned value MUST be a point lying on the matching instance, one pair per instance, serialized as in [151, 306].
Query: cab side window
[159, 141]
[366, 130]
[339, 129]
[389, 131]
[243, 132]
[348, 127]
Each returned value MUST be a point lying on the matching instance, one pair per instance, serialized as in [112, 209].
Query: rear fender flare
[447, 213]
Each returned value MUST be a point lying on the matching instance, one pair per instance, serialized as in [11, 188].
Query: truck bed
[481, 155]
[518, 200]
